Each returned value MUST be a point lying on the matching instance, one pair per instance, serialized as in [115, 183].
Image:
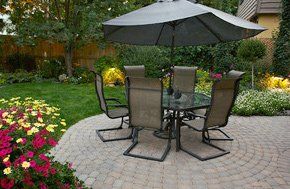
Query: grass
[75, 101]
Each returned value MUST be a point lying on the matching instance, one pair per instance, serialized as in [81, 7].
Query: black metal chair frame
[118, 105]
[136, 130]
[205, 131]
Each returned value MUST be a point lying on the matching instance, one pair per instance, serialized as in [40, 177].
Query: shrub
[21, 61]
[204, 82]
[20, 76]
[28, 129]
[268, 103]
[83, 74]
[281, 63]
[52, 68]
[151, 57]
[113, 76]
[105, 63]
[252, 50]
[271, 82]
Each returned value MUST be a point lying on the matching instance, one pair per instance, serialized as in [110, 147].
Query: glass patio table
[187, 102]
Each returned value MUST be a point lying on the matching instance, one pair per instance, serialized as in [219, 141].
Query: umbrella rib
[160, 34]
[209, 29]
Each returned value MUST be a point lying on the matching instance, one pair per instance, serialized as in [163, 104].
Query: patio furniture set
[150, 107]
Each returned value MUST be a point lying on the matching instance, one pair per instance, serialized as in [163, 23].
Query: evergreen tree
[281, 64]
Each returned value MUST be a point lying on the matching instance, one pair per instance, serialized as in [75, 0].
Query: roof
[251, 8]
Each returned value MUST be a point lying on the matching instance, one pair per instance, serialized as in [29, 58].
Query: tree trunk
[68, 59]
[253, 84]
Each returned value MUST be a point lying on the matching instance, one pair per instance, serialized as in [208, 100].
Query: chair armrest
[113, 99]
[117, 105]
[196, 115]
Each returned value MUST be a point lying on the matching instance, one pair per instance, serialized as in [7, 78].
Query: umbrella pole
[172, 53]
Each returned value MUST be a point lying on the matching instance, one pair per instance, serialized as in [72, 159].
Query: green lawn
[75, 101]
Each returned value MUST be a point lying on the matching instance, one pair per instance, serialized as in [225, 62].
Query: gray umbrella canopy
[178, 23]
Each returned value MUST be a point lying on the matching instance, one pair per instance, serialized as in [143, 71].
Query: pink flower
[53, 171]
[52, 142]
[42, 185]
[6, 183]
[38, 142]
[5, 152]
[43, 157]
[7, 163]
[217, 76]
[24, 140]
[32, 163]
[29, 154]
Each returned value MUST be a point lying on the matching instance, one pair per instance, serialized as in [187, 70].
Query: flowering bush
[27, 132]
[113, 76]
[266, 103]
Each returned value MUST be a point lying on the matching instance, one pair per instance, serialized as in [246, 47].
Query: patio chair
[146, 112]
[184, 78]
[224, 93]
[119, 110]
[231, 74]
[135, 71]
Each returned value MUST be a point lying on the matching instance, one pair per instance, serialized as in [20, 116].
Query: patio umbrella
[178, 23]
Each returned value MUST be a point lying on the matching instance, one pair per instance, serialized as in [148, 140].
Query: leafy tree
[252, 50]
[70, 22]
[281, 64]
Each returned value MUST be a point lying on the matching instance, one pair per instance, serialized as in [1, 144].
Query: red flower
[38, 142]
[43, 157]
[5, 152]
[7, 163]
[52, 142]
[32, 163]
[29, 154]
[42, 185]
[53, 171]
[6, 183]
[28, 180]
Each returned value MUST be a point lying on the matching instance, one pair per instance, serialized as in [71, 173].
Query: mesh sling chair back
[119, 110]
[145, 111]
[184, 78]
[224, 93]
[135, 71]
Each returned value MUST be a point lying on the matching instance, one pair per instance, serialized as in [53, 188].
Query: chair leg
[135, 142]
[228, 138]
[204, 140]
[113, 129]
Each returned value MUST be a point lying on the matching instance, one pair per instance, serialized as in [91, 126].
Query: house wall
[269, 21]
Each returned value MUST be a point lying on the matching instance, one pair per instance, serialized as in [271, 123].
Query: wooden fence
[84, 56]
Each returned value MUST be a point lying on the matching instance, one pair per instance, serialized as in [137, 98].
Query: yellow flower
[26, 125]
[7, 171]
[20, 140]
[50, 128]
[40, 119]
[56, 114]
[32, 130]
[34, 113]
[39, 124]
[25, 164]
[5, 114]
[6, 159]
[1, 126]
[63, 123]
[63, 130]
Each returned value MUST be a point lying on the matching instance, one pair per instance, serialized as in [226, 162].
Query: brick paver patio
[259, 158]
